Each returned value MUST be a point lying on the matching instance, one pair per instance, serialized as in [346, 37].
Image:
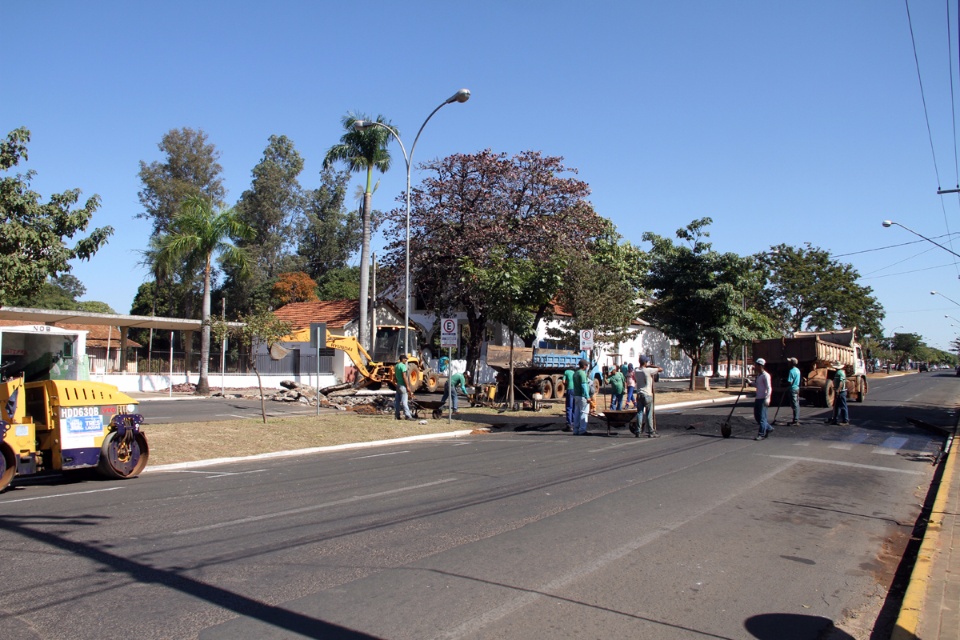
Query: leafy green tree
[190, 168]
[907, 346]
[331, 233]
[34, 236]
[363, 151]
[200, 232]
[610, 271]
[270, 207]
[94, 306]
[477, 207]
[339, 284]
[257, 329]
[809, 290]
[696, 290]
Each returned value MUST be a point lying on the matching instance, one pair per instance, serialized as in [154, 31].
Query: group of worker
[401, 403]
[628, 385]
[764, 393]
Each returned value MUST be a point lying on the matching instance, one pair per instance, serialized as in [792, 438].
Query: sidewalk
[931, 605]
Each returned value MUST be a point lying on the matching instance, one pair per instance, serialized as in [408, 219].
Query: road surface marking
[220, 474]
[848, 443]
[890, 446]
[474, 626]
[314, 507]
[912, 472]
[379, 455]
[60, 495]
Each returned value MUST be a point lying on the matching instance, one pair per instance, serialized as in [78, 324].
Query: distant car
[922, 368]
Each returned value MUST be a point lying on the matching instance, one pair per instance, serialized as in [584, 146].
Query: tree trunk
[364, 333]
[475, 342]
[203, 384]
[263, 405]
[716, 357]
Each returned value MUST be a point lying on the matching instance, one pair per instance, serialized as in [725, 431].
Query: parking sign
[448, 332]
[586, 339]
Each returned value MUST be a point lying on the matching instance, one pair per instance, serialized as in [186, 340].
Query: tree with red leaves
[475, 209]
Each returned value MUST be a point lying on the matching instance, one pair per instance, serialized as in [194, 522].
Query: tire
[559, 388]
[8, 465]
[416, 377]
[829, 394]
[432, 381]
[864, 388]
[546, 388]
[119, 459]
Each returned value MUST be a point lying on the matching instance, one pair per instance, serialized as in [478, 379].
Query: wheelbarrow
[619, 419]
[434, 406]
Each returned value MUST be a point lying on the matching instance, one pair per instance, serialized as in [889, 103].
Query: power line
[891, 246]
[923, 98]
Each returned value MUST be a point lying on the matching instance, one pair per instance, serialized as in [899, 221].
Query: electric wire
[889, 246]
[923, 98]
[953, 114]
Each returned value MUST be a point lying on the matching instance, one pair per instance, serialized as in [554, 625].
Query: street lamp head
[363, 125]
[460, 96]
[888, 223]
[933, 293]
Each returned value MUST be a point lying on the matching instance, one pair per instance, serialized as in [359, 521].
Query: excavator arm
[370, 370]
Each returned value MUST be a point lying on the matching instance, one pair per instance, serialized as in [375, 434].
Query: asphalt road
[531, 534]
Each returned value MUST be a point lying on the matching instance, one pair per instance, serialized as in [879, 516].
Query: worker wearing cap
[793, 382]
[841, 414]
[646, 422]
[761, 400]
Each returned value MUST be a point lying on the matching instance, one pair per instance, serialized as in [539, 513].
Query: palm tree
[363, 151]
[199, 232]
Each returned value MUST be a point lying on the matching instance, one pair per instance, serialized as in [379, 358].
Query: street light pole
[460, 96]
[937, 293]
[890, 223]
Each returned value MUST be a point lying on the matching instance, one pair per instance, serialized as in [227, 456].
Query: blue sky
[784, 122]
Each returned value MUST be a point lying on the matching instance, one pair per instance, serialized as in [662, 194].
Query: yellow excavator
[376, 369]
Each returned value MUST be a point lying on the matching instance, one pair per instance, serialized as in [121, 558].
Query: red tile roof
[336, 313]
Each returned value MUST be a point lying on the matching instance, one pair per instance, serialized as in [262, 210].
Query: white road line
[890, 446]
[59, 495]
[912, 472]
[314, 507]
[844, 446]
[475, 625]
[379, 455]
[220, 474]
[847, 444]
[802, 443]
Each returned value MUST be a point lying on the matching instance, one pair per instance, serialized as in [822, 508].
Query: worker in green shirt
[402, 378]
[617, 387]
[455, 382]
[582, 392]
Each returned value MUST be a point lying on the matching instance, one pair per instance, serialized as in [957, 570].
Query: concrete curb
[176, 466]
[909, 619]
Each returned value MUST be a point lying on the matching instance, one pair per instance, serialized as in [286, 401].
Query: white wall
[132, 383]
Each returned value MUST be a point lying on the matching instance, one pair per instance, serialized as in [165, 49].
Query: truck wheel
[546, 388]
[8, 465]
[864, 387]
[123, 457]
[432, 381]
[829, 393]
[559, 388]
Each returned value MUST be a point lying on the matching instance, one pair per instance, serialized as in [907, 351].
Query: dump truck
[54, 418]
[815, 351]
[538, 370]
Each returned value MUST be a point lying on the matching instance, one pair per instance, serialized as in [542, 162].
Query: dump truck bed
[805, 348]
